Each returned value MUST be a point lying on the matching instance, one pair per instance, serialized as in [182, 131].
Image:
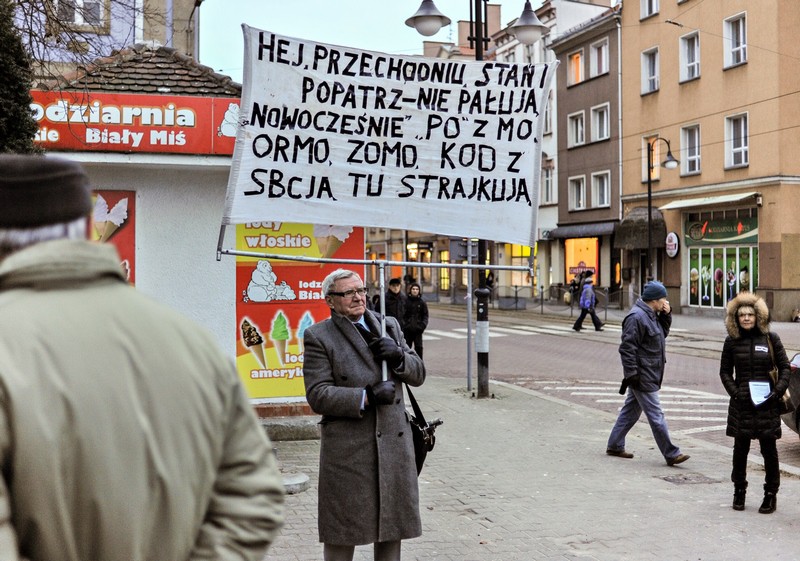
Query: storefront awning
[582, 231]
[708, 201]
[632, 231]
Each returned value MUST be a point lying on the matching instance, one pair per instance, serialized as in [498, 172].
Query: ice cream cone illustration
[330, 238]
[305, 322]
[107, 222]
[280, 335]
[253, 341]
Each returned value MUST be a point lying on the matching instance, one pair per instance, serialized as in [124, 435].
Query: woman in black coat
[415, 318]
[748, 354]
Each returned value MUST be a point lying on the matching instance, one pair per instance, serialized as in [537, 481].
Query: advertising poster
[277, 300]
[114, 221]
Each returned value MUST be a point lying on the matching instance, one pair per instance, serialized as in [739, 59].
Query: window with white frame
[548, 190]
[649, 8]
[735, 40]
[598, 64]
[736, 141]
[650, 71]
[577, 193]
[548, 114]
[600, 123]
[575, 68]
[81, 12]
[690, 150]
[601, 189]
[575, 130]
[690, 56]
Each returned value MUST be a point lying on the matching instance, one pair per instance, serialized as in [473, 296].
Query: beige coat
[125, 434]
[367, 476]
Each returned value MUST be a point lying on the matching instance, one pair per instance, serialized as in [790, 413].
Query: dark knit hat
[653, 290]
[394, 282]
[39, 191]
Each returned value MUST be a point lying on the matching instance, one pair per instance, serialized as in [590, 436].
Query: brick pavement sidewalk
[524, 476]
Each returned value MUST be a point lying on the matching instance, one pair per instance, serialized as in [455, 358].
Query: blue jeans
[635, 403]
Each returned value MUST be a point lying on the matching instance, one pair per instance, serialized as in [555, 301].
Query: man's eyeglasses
[349, 293]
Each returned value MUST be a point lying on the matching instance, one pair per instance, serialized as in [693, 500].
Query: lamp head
[528, 28]
[428, 19]
[671, 162]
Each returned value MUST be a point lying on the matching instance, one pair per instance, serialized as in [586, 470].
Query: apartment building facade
[589, 180]
[717, 83]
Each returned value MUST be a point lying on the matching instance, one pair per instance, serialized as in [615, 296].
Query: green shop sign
[718, 232]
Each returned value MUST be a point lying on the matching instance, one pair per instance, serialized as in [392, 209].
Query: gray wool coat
[367, 476]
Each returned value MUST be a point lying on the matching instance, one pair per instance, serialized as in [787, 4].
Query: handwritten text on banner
[335, 135]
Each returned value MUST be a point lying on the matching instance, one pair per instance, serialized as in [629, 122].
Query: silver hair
[15, 239]
[338, 274]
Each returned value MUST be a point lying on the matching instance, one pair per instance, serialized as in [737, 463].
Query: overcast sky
[377, 25]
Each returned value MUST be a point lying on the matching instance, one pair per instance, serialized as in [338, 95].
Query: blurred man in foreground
[125, 433]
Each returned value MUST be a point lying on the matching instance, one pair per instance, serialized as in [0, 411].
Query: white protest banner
[336, 135]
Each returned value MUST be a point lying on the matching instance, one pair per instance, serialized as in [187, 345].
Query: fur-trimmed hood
[751, 300]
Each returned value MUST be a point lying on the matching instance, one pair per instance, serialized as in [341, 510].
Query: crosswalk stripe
[491, 333]
[446, 334]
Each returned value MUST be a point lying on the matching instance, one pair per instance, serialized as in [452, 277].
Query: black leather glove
[386, 348]
[381, 393]
[635, 381]
[771, 395]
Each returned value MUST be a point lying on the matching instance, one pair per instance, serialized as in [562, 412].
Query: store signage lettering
[134, 123]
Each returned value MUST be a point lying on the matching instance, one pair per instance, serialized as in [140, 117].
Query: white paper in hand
[759, 392]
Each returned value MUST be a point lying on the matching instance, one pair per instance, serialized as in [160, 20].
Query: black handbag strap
[417, 411]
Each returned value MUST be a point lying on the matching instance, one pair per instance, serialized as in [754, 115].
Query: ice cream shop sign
[111, 122]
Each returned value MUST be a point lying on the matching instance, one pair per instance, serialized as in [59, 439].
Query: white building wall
[178, 216]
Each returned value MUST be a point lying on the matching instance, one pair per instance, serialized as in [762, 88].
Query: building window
[548, 186]
[548, 114]
[601, 189]
[600, 123]
[650, 71]
[81, 12]
[575, 70]
[736, 141]
[520, 257]
[599, 60]
[690, 57]
[690, 148]
[575, 134]
[649, 8]
[577, 193]
[652, 144]
[735, 40]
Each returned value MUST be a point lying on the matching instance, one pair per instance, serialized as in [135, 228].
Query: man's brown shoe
[619, 453]
[679, 459]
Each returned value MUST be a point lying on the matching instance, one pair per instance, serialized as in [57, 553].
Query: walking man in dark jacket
[643, 352]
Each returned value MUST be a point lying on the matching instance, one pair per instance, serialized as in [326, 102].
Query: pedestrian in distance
[125, 432]
[587, 303]
[643, 354]
[748, 354]
[415, 319]
[395, 300]
[368, 489]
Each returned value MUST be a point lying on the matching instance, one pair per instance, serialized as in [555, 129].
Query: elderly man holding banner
[368, 489]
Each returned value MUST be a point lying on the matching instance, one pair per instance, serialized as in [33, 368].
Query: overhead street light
[670, 162]
[527, 29]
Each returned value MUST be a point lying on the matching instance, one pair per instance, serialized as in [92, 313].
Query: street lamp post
[669, 163]
[527, 29]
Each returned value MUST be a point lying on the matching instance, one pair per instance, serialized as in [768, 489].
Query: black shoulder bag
[421, 431]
